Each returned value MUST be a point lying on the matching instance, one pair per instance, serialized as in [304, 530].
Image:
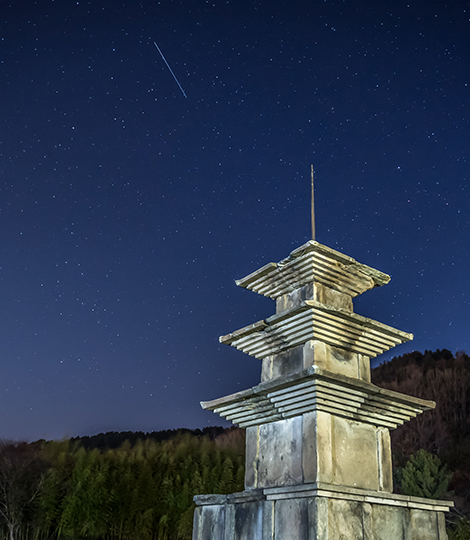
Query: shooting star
[171, 71]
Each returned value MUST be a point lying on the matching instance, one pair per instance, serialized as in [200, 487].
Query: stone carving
[318, 457]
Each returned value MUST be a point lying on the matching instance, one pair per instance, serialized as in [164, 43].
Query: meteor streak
[171, 71]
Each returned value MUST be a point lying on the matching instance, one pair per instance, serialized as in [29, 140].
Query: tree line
[135, 492]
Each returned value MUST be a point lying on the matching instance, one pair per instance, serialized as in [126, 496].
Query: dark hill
[444, 378]
[115, 439]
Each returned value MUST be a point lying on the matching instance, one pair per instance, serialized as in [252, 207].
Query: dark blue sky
[127, 210]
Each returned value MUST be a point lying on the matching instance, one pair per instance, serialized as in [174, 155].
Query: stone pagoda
[318, 457]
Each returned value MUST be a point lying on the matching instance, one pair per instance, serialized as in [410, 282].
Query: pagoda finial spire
[313, 207]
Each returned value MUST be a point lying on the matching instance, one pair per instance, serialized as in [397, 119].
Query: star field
[127, 210]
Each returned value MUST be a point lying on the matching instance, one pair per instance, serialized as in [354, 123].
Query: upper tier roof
[314, 262]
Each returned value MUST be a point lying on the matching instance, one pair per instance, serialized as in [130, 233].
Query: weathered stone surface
[345, 452]
[251, 457]
[345, 520]
[329, 449]
[441, 526]
[321, 512]
[253, 521]
[291, 519]
[344, 362]
[389, 523]
[367, 528]
[331, 297]
[424, 525]
[314, 291]
[318, 518]
[250, 495]
[364, 367]
[209, 522]
[384, 455]
[280, 453]
[369, 496]
[204, 500]
[315, 353]
[295, 298]
[354, 454]
[229, 533]
[282, 364]
[310, 455]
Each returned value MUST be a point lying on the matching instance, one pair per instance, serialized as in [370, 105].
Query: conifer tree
[424, 476]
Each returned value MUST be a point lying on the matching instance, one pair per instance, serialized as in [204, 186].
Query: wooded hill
[444, 431]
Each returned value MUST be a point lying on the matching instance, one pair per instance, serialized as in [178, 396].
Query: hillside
[445, 431]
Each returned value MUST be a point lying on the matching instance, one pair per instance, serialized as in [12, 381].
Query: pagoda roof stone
[318, 389]
[312, 320]
[314, 262]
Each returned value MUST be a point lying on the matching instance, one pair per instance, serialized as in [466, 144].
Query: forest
[138, 486]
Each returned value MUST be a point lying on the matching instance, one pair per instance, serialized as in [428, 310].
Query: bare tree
[22, 470]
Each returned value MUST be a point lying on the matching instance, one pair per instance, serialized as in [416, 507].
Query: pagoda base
[318, 512]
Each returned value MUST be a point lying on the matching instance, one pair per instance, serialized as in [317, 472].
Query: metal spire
[313, 209]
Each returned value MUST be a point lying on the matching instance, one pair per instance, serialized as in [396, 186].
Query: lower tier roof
[318, 389]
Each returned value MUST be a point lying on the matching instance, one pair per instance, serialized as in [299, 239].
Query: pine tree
[424, 476]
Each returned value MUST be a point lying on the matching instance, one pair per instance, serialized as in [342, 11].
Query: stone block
[229, 523]
[388, 523]
[314, 291]
[294, 298]
[331, 297]
[318, 453]
[291, 519]
[267, 369]
[368, 532]
[251, 457]
[209, 522]
[424, 525]
[345, 520]
[309, 446]
[318, 518]
[196, 522]
[384, 460]
[203, 500]
[345, 452]
[441, 526]
[363, 367]
[316, 353]
[344, 362]
[252, 521]
[280, 453]
[354, 454]
[336, 360]
[288, 362]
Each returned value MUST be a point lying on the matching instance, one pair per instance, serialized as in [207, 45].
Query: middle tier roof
[312, 320]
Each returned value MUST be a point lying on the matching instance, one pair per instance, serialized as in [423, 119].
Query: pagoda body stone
[318, 455]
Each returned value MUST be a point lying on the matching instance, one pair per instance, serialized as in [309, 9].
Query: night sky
[127, 209]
